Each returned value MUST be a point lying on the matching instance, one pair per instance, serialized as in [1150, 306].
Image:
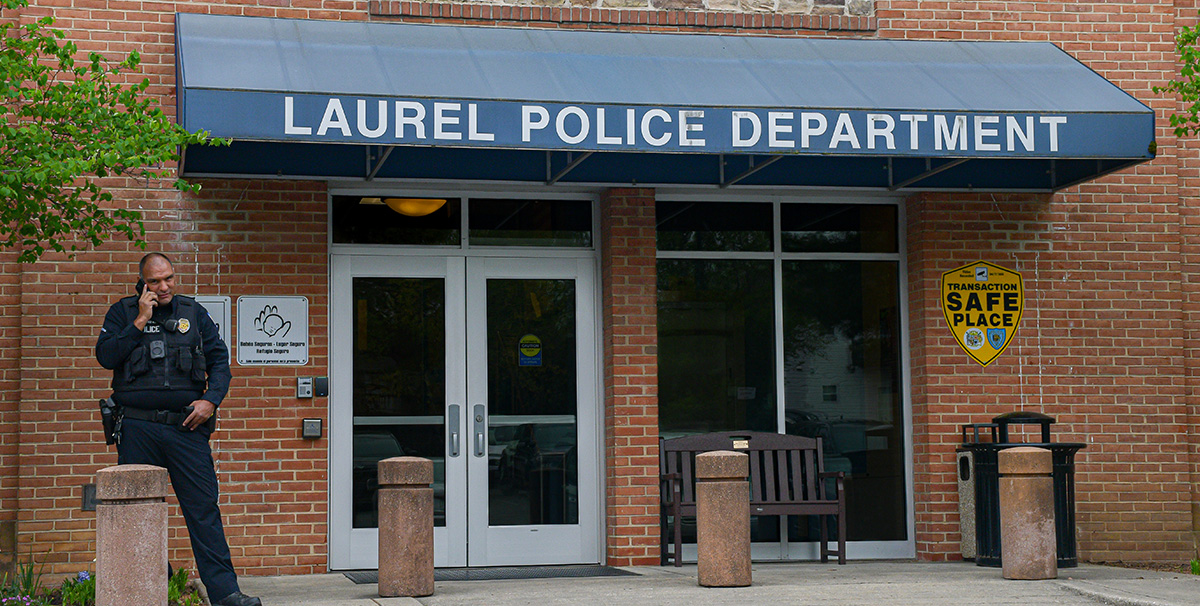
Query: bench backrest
[783, 468]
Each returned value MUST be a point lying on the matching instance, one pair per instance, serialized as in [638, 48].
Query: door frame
[343, 554]
[357, 548]
[494, 545]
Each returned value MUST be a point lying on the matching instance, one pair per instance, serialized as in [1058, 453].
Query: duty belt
[165, 417]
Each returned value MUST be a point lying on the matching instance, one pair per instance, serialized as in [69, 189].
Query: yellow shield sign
[983, 304]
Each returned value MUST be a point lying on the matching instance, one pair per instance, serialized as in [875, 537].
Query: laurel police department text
[505, 123]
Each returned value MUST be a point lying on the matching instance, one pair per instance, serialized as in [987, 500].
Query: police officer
[170, 372]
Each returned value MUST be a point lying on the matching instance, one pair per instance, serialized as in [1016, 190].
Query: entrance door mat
[503, 572]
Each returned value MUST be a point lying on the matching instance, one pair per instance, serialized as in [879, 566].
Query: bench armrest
[671, 485]
[840, 476]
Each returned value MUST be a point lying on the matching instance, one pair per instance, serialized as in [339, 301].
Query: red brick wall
[236, 238]
[10, 385]
[1105, 345]
[10, 395]
[1101, 346]
[268, 238]
[239, 238]
[630, 319]
[1187, 152]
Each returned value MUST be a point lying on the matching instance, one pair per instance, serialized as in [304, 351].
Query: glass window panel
[533, 453]
[735, 226]
[370, 220]
[399, 384]
[841, 327]
[502, 222]
[715, 346]
[838, 227]
[374, 443]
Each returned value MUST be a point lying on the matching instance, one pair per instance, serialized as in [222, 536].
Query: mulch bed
[1180, 567]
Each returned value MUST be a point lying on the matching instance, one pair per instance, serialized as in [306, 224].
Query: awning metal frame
[374, 170]
[572, 163]
[746, 173]
[929, 172]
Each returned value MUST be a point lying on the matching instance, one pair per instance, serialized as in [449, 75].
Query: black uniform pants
[188, 460]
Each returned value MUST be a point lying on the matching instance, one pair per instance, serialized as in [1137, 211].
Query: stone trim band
[652, 18]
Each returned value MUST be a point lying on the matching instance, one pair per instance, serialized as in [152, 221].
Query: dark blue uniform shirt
[119, 336]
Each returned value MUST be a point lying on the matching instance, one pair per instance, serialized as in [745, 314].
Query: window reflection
[519, 222]
[716, 345]
[841, 343]
[399, 384]
[532, 386]
[369, 220]
[842, 384]
[374, 443]
[714, 226]
[838, 228]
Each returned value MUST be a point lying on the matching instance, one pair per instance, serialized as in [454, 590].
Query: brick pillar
[630, 317]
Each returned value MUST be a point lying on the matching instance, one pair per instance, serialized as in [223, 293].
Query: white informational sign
[219, 308]
[272, 331]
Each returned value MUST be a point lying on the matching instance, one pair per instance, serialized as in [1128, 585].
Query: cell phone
[140, 287]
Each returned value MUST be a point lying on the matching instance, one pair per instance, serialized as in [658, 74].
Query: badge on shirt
[184, 325]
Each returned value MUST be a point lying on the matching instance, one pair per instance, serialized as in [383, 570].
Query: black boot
[238, 598]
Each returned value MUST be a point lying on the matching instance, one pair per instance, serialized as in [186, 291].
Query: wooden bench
[787, 477]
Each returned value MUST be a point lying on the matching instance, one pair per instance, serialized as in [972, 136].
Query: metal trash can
[966, 484]
[987, 488]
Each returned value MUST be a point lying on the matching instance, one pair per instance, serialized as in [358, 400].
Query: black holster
[110, 414]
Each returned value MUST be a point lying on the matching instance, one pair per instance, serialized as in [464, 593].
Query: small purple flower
[83, 576]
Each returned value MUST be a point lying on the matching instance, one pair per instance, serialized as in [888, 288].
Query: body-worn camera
[110, 417]
[158, 349]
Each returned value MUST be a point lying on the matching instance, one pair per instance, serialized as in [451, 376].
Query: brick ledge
[606, 16]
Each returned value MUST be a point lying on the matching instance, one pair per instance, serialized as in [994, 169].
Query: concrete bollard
[723, 519]
[131, 535]
[405, 527]
[1028, 545]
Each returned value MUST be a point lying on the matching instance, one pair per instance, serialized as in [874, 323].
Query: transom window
[437, 221]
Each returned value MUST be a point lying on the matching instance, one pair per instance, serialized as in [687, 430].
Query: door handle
[452, 421]
[480, 426]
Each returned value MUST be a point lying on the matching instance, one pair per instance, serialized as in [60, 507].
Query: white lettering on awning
[641, 127]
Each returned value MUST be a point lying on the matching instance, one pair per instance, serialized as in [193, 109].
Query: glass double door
[487, 367]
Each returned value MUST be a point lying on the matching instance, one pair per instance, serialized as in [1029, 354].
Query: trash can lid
[1022, 416]
[971, 434]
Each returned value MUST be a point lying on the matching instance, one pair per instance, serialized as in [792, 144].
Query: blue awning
[359, 100]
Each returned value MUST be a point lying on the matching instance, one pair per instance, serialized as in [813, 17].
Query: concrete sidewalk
[868, 583]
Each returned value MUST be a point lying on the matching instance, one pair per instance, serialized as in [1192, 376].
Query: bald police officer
[170, 372]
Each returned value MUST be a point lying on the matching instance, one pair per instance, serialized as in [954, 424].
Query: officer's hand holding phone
[147, 301]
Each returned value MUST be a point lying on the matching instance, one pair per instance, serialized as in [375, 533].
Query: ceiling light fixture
[409, 207]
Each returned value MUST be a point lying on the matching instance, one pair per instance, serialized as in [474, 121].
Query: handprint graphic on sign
[272, 331]
[270, 323]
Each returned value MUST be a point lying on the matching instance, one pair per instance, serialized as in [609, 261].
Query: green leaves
[1188, 85]
[67, 125]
